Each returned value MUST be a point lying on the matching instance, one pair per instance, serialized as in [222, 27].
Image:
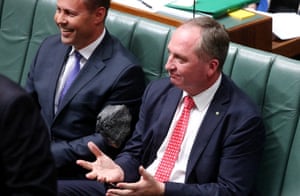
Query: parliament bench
[271, 80]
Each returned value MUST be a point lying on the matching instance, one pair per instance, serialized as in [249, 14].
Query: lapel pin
[217, 113]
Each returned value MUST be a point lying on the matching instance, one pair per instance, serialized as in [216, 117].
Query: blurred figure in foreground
[26, 163]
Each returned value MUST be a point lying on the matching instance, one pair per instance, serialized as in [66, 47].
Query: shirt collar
[203, 99]
[88, 50]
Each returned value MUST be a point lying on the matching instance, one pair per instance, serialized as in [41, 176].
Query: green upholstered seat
[15, 31]
[140, 34]
[42, 25]
[272, 81]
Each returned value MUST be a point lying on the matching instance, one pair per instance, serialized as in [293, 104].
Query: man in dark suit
[223, 142]
[26, 163]
[109, 75]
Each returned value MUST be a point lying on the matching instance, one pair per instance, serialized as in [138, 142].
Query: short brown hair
[94, 4]
[215, 39]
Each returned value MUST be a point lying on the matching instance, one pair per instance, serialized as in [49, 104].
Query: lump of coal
[114, 123]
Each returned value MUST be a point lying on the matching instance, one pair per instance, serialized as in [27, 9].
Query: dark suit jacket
[227, 150]
[111, 76]
[284, 6]
[26, 164]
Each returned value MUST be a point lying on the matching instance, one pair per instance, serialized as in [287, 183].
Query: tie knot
[77, 55]
[188, 102]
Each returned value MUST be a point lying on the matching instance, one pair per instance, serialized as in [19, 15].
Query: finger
[94, 149]
[129, 186]
[85, 164]
[113, 192]
[92, 176]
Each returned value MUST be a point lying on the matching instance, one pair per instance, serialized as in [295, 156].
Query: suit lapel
[57, 63]
[213, 117]
[168, 110]
[91, 69]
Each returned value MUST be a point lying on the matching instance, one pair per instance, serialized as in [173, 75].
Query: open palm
[104, 169]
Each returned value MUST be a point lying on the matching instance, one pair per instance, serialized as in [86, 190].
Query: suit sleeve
[69, 151]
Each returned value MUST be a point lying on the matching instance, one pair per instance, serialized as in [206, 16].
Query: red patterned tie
[167, 163]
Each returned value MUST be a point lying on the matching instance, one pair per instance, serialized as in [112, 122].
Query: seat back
[15, 31]
[146, 39]
[272, 81]
[42, 26]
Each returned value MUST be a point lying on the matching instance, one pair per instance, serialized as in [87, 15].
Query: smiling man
[107, 74]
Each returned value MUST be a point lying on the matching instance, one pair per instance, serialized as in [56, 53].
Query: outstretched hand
[146, 186]
[103, 169]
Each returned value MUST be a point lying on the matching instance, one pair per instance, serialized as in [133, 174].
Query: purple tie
[72, 75]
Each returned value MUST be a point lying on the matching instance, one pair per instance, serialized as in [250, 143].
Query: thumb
[146, 175]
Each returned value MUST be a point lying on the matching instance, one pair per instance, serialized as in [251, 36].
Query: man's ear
[213, 66]
[100, 14]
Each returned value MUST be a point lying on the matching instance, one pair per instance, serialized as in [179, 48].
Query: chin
[176, 82]
[66, 40]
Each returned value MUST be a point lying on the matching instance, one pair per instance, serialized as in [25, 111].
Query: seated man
[197, 133]
[75, 74]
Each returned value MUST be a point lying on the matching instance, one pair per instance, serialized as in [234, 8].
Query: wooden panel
[145, 14]
[256, 33]
[289, 48]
